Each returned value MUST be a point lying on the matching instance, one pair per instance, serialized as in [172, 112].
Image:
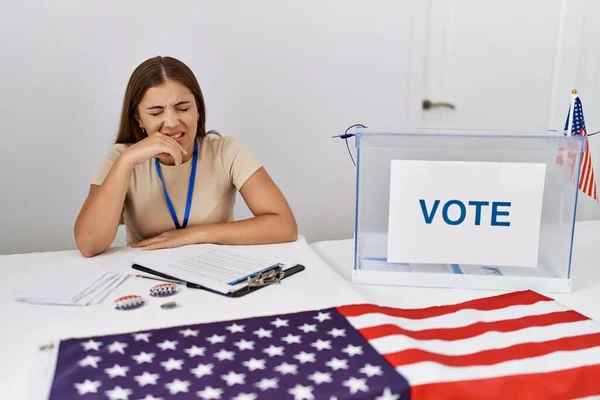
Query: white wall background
[284, 76]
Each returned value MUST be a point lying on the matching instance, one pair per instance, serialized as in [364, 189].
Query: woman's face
[170, 109]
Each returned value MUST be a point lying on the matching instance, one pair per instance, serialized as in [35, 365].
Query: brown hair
[151, 72]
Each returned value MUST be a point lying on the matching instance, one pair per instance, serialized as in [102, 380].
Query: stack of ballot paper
[70, 286]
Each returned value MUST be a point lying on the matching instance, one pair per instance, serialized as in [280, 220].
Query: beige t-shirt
[224, 164]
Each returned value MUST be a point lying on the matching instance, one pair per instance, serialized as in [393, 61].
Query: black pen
[158, 279]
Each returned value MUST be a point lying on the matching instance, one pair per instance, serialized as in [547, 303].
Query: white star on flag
[150, 397]
[279, 323]
[195, 351]
[285, 368]
[267, 383]
[244, 345]
[253, 364]
[289, 339]
[245, 396]
[322, 317]
[189, 332]
[308, 328]
[203, 370]
[233, 378]
[388, 395]
[117, 370]
[147, 379]
[87, 386]
[263, 333]
[117, 347]
[178, 386]
[214, 339]
[302, 392]
[144, 357]
[168, 345]
[336, 364]
[91, 345]
[172, 364]
[235, 328]
[355, 385]
[353, 350]
[118, 393]
[320, 377]
[322, 345]
[371, 370]
[225, 355]
[337, 332]
[91, 361]
[142, 336]
[304, 357]
[210, 393]
[273, 351]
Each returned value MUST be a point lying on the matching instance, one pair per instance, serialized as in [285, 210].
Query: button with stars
[129, 302]
[163, 290]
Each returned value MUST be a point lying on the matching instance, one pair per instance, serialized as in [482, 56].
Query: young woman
[172, 183]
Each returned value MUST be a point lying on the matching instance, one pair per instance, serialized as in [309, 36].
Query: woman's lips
[178, 136]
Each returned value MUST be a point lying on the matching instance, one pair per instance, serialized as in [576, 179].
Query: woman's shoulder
[116, 149]
[217, 141]
[223, 146]
[106, 162]
[234, 156]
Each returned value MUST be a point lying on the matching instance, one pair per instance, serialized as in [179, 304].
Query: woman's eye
[184, 109]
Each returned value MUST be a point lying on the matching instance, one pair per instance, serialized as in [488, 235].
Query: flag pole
[571, 111]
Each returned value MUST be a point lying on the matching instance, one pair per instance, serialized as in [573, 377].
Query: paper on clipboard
[213, 266]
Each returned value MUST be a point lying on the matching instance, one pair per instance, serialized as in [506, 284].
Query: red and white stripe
[587, 181]
[519, 344]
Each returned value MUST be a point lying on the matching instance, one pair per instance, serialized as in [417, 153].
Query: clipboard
[272, 276]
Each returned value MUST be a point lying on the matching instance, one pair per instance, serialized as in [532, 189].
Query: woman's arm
[273, 221]
[99, 218]
[100, 215]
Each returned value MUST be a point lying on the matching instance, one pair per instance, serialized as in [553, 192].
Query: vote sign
[473, 213]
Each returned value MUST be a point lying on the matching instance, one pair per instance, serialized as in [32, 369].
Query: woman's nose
[171, 120]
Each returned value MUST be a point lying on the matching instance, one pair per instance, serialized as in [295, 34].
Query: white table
[319, 286]
[26, 327]
[584, 298]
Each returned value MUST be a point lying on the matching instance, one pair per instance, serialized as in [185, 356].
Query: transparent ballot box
[473, 210]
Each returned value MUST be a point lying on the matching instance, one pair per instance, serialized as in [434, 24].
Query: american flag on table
[575, 126]
[519, 345]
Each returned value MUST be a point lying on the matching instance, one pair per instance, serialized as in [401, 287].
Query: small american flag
[518, 345]
[575, 126]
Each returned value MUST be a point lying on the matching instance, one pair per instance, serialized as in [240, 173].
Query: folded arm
[273, 221]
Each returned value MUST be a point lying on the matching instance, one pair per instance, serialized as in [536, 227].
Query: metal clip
[270, 277]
